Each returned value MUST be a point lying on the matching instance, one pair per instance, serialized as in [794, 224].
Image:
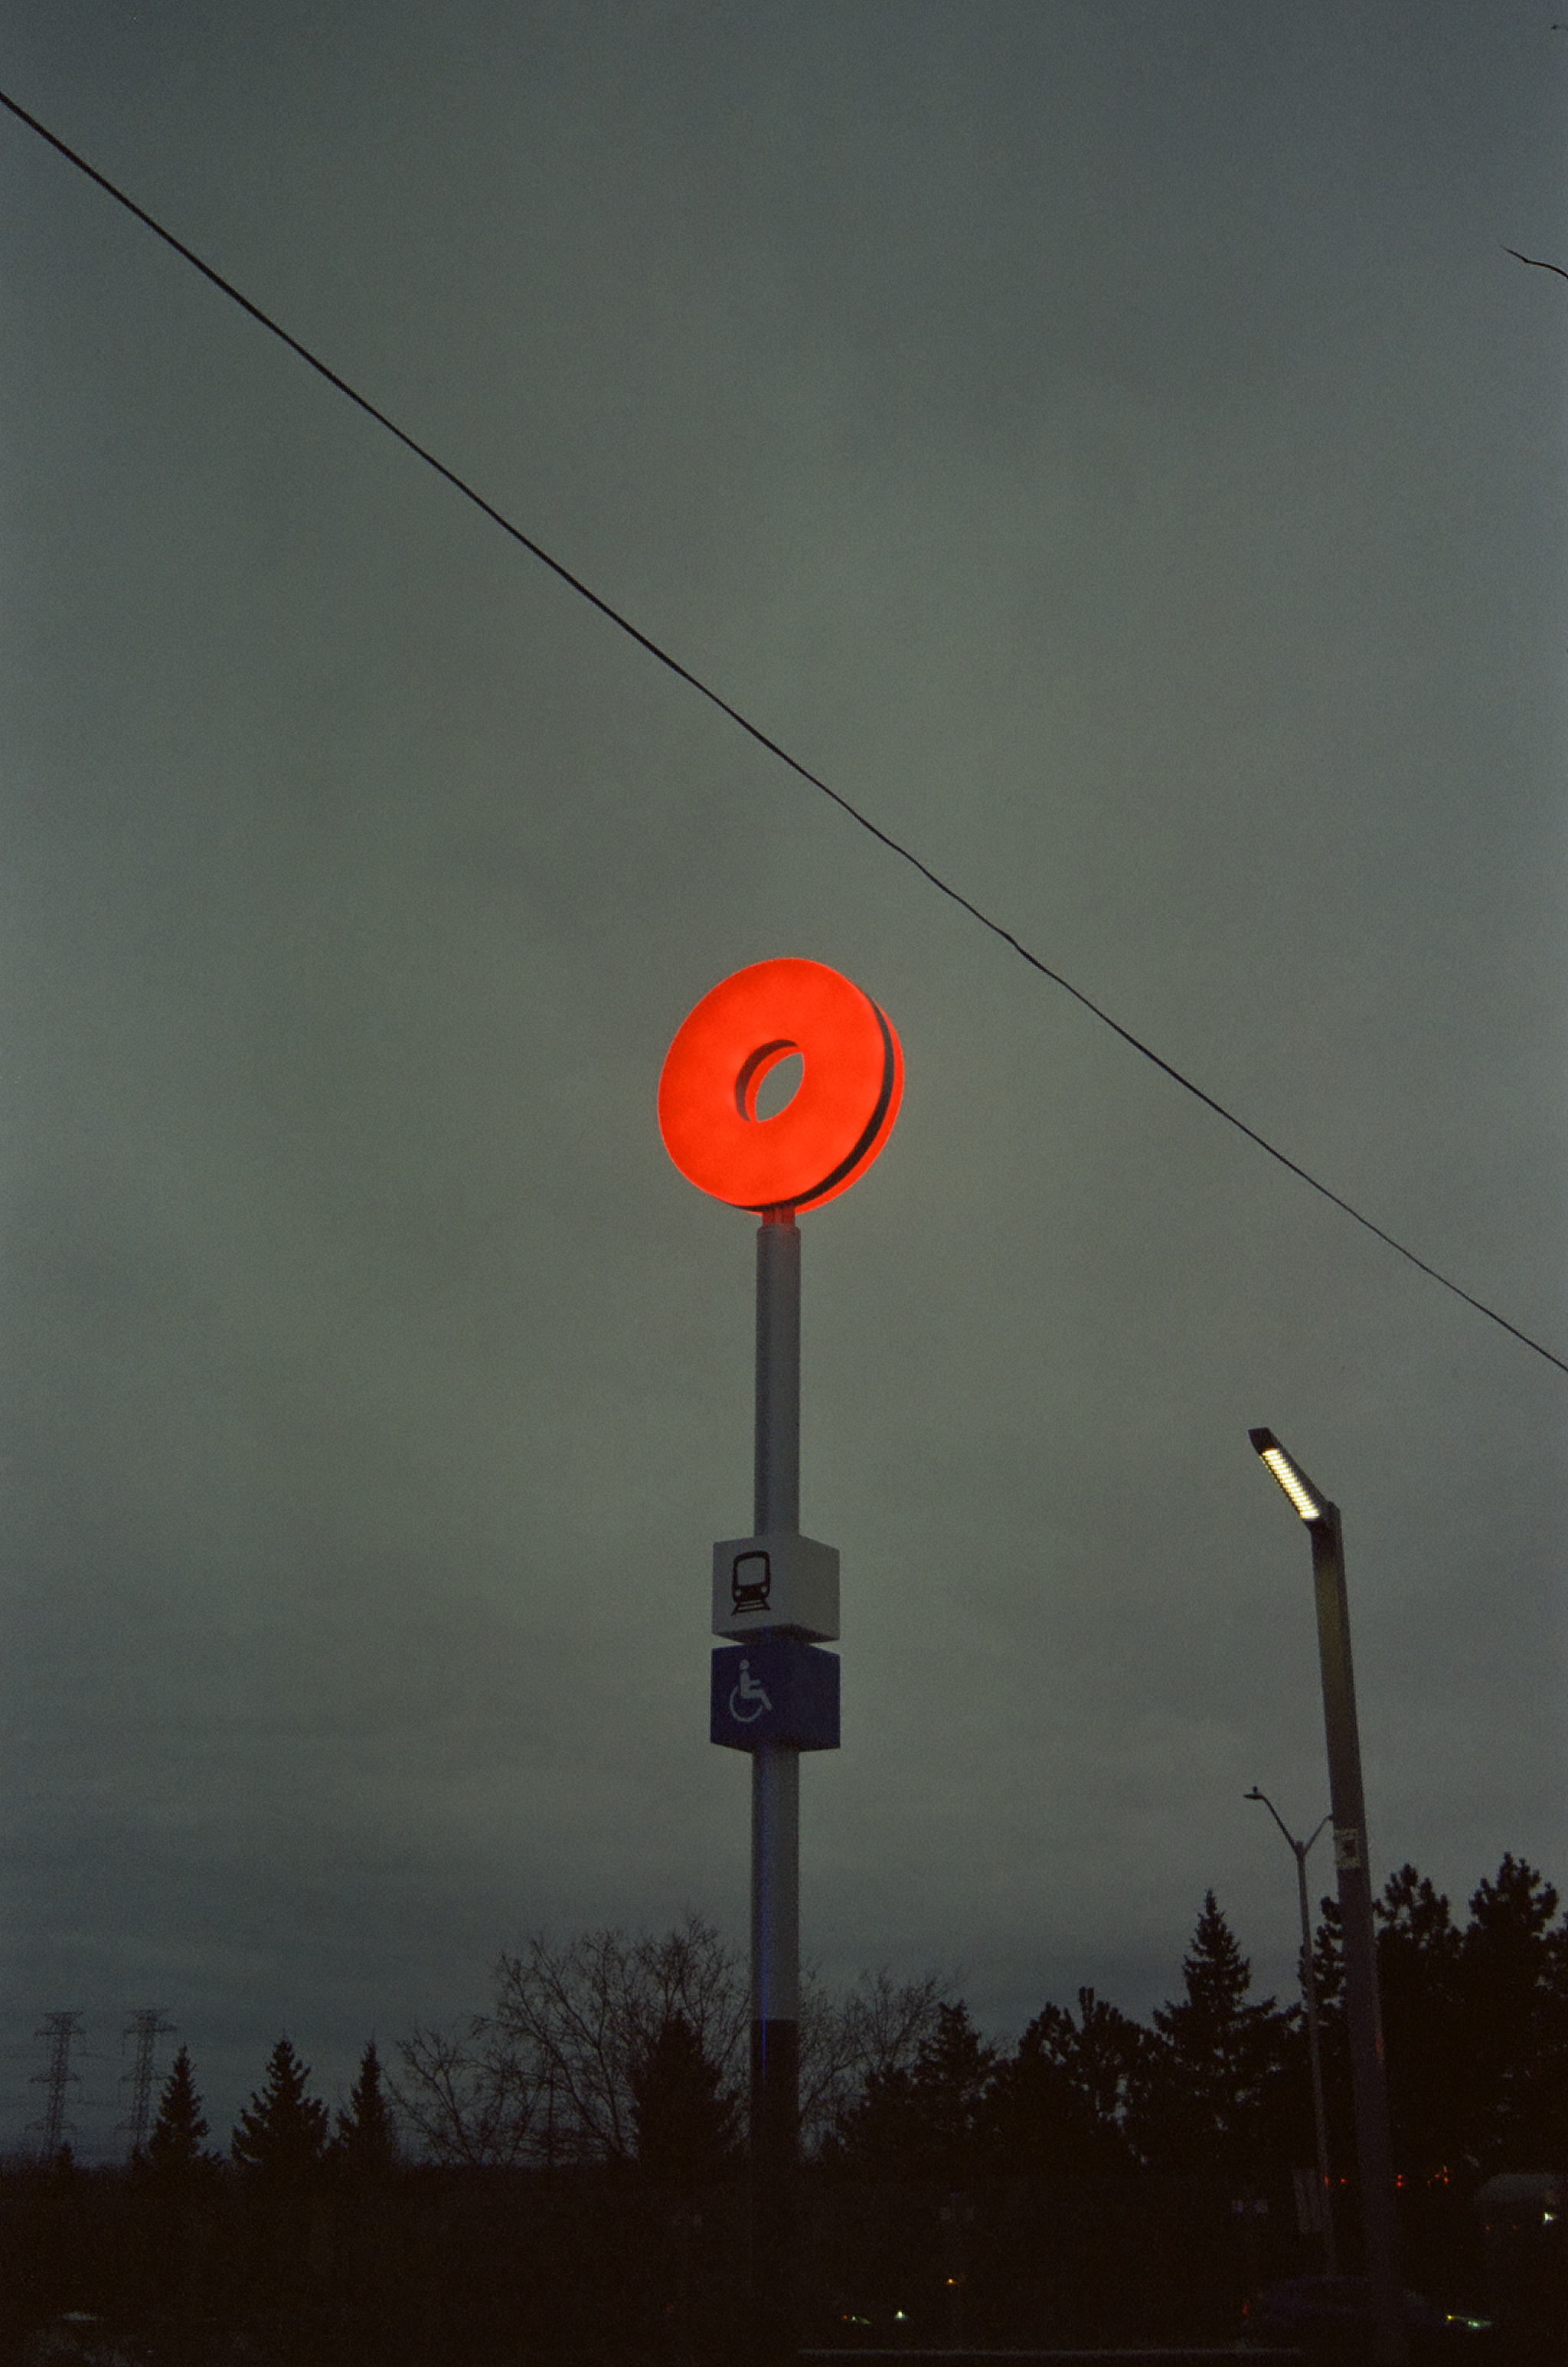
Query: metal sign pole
[773, 1692]
[775, 1808]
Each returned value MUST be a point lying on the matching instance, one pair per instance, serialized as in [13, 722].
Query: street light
[1374, 2152]
[1315, 2050]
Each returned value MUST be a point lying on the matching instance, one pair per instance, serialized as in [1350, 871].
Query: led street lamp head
[1308, 1500]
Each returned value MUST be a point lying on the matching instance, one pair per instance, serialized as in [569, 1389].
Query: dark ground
[436, 2268]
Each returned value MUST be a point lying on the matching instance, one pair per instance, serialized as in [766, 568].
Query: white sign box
[775, 1585]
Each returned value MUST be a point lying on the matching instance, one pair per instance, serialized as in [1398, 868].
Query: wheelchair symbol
[749, 1689]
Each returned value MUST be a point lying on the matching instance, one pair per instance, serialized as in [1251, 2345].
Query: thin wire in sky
[755, 731]
[1534, 260]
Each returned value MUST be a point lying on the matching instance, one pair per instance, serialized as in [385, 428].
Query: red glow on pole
[852, 1082]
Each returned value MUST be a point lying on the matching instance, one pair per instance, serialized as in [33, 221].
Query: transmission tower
[61, 2030]
[146, 2026]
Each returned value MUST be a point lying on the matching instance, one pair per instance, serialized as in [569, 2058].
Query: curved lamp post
[1374, 2153]
[1315, 2049]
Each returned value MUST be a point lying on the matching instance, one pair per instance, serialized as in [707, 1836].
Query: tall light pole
[1315, 2050]
[773, 1692]
[1374, 2153]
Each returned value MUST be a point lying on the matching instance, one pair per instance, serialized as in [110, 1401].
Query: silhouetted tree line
[564, 2170]
[285, 2136]
[605, 2050]
[1475, 2021]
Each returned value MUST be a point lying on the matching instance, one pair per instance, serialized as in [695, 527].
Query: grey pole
[1363, 2014]
[775, 1813]
[1374, 2150]
[776, 1493]
[1315, 2046]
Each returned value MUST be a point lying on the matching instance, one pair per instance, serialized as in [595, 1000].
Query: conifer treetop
[176, 2146]
[282, 2135]
[366, 2144]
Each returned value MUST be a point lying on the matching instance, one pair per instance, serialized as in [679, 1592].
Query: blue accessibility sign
[774, 1688]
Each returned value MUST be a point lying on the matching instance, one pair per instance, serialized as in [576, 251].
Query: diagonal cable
[1535, 262]
[755, 731]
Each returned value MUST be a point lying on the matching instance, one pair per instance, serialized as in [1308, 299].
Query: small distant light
[1549, 2218]
[1303, 1495]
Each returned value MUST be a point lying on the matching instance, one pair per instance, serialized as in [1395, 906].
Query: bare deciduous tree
[467, 2096]
[585, 2017]
[550, 2074]
[878, 2026]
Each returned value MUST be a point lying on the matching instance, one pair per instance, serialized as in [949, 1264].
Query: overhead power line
[1534, 260]
[755, 731]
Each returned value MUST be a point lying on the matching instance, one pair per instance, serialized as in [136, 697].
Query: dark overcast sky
[1109, 442]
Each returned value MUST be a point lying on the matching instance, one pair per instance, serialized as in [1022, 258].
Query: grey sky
[1109, 442]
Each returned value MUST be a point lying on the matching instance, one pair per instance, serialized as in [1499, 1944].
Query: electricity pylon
[146, 2026]
[61, 2030]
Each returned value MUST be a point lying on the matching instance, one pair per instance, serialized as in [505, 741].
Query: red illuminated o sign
[852, 1080]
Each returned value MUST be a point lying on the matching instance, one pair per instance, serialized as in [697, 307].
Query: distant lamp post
[1315, 2047]
[1374, 2152]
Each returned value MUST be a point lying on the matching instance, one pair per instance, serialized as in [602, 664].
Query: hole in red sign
[770, 1080]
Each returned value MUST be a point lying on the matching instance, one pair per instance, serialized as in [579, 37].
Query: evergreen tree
[685, 2125]
[1475, 2024]
[1420, 1952]
[1060, 2105]
[175, 2148]
[1513, 1980]
[928, 2121]
[1214, 2082]
[365, 2146]
[283, 2135]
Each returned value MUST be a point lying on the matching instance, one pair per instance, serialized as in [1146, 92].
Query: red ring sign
[852, 1082]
